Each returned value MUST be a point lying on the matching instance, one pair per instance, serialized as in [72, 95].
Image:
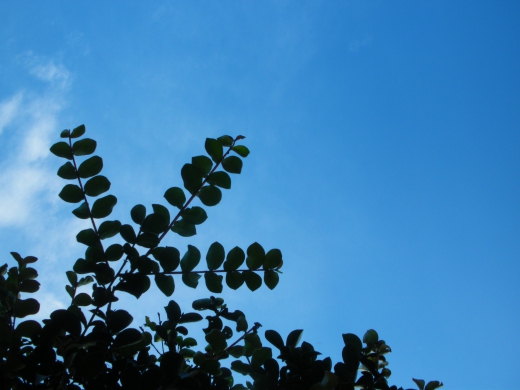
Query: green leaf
[214, 149]
[432, 385]
[87, 237]
[84, 147]
[242, 324]
[255, 256]
[175, 196]
[165, 284]
[184, 228]
[78, 131]
[127, 337]
[235, 259]
[420, 383]
[232, 164]
[82, 299]
[168, 257]
[370, 337]
[195, 215]
[274, 338]
[253, 281]
[128, 233]
[65, 134]
[352, 339]
[97, 185]
[203, 163]
[155, 223]
[213, 282]
[271, 279]
[210, 195]
[61, 149]
[241, 367]
[190, 317]
[109, 229]
[29, 286]
[241, 150]
[173, 311]
[210, 366]
[103, 206]
[191, 280]
[190, 259]
[293, 338]
[203, 304]
[260, 356]
[147, 240]
[71, 193]
[236, 351]
[234, 279]
[192, 177]
[82, 211]
[215, 256]
[26, 307]
[67, 171]
[86, 280]
[273, 259]
[225, 140]
[161, 210]
[138, 213]
[216, 340]
[136, 284]
[90, 167]
[220, 179]
[118, 320]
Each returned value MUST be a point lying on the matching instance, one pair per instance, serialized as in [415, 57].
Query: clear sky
[384, 163]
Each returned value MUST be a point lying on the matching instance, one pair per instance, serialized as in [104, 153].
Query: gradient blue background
[384, 160]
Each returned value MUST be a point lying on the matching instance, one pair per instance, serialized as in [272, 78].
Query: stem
[197, 272]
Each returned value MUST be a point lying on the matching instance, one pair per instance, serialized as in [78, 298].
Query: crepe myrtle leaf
[220, 179]
[191, 279]
[87, 237]
[97, 185]
[225, 140]
[175, 196]
[173, 312]
[168, 257]
[293, 338]
[135, 284]
[127, 337]
[210, 366]
[190, 317]
[235, 258]
[118, 320]
[195, 215]
[90, 167]
[65, 134]
[241, 150]
[61, 149]
[273, 259]
[103, 206]
[214, 149]
[166, 284]
[234, 279]
[138, 213]
[190, 259]
[420, 383]
[260, 356]
[203, 163]
[147, 240]
[78, 131]
[84, 147]
[155, 223]
[216, 340]
[370, 337]
[128, 233]
[26, 307]
[109, 229]
[432, 385]
[67, 171]
[255, 256]
[242, 368]
[82, 299]
[29, 286]
[210, 195]
[274, 338]
[82, 211]
[253, 280]
[161, 210]
[232, 164]
[213, 282]
[350, 338]
[192, 177]
[71, 193]
[72, 277]
[271, 279]
[184, 228]
[215, 256]
[236, 351]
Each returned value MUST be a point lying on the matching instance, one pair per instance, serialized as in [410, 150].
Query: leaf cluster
[93, 345]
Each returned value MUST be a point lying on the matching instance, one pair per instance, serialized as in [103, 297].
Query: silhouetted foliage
[91, 345]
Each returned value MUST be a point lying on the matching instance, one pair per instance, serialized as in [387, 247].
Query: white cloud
[8, 110]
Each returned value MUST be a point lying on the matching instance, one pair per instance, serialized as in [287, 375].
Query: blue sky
[384, 159]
